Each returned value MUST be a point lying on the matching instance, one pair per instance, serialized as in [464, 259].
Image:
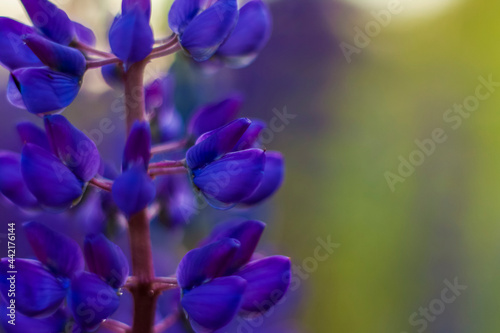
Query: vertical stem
[140, 239]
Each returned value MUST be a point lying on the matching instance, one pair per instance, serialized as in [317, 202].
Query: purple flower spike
[131, 37]
[58, 252]
[207, 262]
[50, 20]
[251, 136]
[216, 143]
[14, 53]
[134, 190]
[106, 259]
[215, 115]
[274, 173]
[248, 233]
[56, 56]
[12, 184]
[30, 133]
[202, 34]
[250, 35]
[138, 147]
[50, 181]
[38, 293]
[233, 177]
[268, 280]
[91, 295]
[213, 305]
[114, 76]
[44, 90]
[73, 147]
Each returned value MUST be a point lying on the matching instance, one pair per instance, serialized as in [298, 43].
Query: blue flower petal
[50, 20]
[84, 35]
[106, 259]
[233, 177]
[138, 147]
[207, 31]
[274, 173]
[50, 181]
[268, 280]
[114, 76]
[207, 262]
[56, 56]
[215, 115]
[12, 184]
[248, 233]
[134, 190]
[38, 292]
[23, 324]
[216, 143]
[30, 133]
[91, 300]
[131, 37]
[61, 254]
[14, 95]
[251, 33]
[73, 147]
[143, 5]
[44, 90]
[214, 304]
[13, 52]
[251, 136]
[182, 13]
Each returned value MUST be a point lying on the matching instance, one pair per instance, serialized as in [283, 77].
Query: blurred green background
[353, 122]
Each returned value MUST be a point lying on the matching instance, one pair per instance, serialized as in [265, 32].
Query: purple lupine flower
[176, 199]
[57, 176]
[131, 37]
[114, 76]
[12, 184]
[44, 285]
[218, 280]
[134, 189]
[202, 26]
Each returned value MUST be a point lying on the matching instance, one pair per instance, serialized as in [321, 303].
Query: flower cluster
[170, 161]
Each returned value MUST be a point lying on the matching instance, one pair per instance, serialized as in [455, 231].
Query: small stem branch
[103, 184]
[100, 63]
[171, 50]
[167, 171]
[167, 322]
[166, 164]
[166, 39]
[115, 326]
[168, 147]
[91, 50]
[168, 280]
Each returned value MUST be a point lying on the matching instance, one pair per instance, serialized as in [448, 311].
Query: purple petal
[138, 147]
[84, 35]
[56, 251]
[14, 95]
[160, 93]
[251, 136]
[181, 13]
[58, 57]
[274, 173]
[114, 75]
[50, 20]
[207, 31]
[130, 37]
[268, 280]
[73, 147]
[44, 90]
[214, 304]
[215, 115]
[251, 33]
[133, 190]
[106, 259]
[248, 233]
[30, 133]
[50, 181]
[38, 292]
[14, 53]
[91, 300]
[233, 177]
[207, 262]
[217, 143]
[144, 5]
[12, 184]
[23, 324]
